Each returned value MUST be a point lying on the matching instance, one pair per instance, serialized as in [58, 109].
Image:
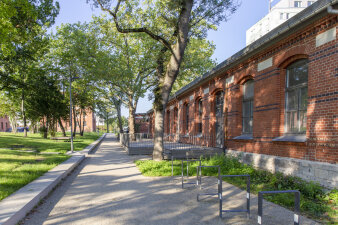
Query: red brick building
[89, 123]
[4, 124]
[277, 99]
[141, 123]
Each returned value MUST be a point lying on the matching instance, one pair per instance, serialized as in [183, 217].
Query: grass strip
[36, 142]
[19, 167]
[316, 202]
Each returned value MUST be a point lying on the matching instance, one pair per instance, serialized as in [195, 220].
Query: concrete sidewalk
[108, 189]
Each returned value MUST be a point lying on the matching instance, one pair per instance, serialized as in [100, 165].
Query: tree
[73, 48]
[45, 102]
[126, 65]
[23, 41]
[172, 24]
[105, 111]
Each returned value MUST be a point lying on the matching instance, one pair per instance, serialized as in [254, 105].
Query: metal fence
[170, 141]
[188, 142]
[143, 143]
[137, 139]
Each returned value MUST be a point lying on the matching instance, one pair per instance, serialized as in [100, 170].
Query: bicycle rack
[182, 173]
[297, 204]
[172, 165]
[247, 210]
[199, 179]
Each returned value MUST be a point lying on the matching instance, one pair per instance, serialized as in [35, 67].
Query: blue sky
[229, 38]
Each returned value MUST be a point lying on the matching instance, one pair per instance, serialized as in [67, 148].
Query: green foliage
[43, 130]
[23, 20]
[315, 201]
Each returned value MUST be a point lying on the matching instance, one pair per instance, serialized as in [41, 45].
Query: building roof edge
[296, 20]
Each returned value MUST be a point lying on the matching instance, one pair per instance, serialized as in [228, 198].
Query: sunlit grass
[19, 167]
[36, 142]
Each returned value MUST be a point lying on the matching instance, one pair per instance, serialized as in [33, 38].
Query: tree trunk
[45, 132]
[23, 113]
[107, 122]
[83, 119]
[166, 82]
[62, 128]
[13, 122]
[117, 105]
[74, 116]
[158, 132]
[80, 122]
[131, 120]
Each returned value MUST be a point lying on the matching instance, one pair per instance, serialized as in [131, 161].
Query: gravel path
[107, 188]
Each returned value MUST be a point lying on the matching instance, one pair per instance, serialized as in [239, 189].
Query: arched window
[296, 97]
[247, 112]
[199, 114]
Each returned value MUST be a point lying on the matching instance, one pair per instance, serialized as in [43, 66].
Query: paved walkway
[107, 188]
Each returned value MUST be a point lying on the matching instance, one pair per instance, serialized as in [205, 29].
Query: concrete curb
[15, 207]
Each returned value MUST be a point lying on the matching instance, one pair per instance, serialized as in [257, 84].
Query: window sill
[295, 138]
[244, 137]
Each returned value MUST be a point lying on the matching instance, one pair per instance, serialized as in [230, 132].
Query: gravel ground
[107, 188]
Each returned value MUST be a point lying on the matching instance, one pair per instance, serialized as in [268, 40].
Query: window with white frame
[248, 100]
[296, 97]
[298, 4]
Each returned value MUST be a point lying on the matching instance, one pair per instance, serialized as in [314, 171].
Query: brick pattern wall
[90, 123]
[269, 99]
[4, 124]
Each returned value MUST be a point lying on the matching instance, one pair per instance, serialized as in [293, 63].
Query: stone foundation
[325, 174]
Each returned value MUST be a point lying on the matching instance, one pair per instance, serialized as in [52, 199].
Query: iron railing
[170, 141]
[188, 142]
[136, 140]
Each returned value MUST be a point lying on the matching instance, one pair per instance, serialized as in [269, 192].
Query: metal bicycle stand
[182, 173]
[247, 210]
[199, 179]
[172, 165]
[297, 204]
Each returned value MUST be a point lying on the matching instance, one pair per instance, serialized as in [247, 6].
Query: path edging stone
[15, 207]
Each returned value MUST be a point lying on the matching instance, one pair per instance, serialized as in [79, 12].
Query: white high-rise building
[279, 13]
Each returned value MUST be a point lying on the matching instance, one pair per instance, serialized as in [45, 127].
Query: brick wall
[4, 124]
[90, 123]
[269, 98]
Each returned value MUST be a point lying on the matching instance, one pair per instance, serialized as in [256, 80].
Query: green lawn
[36, 142]
[316, 203]
[18, 168]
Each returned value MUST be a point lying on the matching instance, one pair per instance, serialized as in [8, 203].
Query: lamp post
[70, 113]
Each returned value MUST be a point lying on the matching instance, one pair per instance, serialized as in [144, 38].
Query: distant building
[4, 124]
[279, 13]
[141, 123]
[89, 123]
